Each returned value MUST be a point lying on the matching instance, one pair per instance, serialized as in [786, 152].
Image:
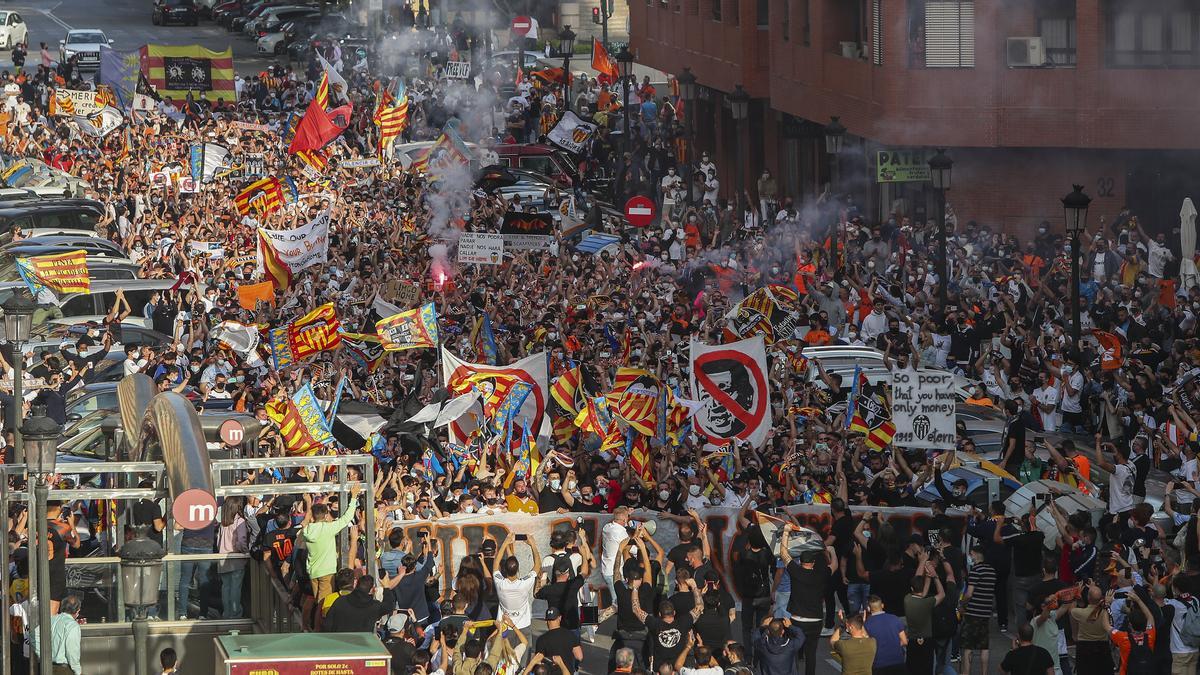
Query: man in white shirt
[1183, 657]
[1045, 398]
[1120, 486]
[516, 592]
[611, 537]
[1072, 408]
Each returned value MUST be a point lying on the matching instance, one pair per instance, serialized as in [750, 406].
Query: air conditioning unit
[1026, 52]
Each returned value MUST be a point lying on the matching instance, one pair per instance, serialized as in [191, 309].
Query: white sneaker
[826, 632]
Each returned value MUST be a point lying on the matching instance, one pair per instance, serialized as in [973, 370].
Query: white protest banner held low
[923, 404]
[480, 248]
[304, 246]
[571, 133]
[460, 535]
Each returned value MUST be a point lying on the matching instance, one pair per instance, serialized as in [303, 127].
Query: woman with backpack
[232, 537]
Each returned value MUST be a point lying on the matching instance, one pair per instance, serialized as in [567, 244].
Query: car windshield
[85, 38]
[3, 17]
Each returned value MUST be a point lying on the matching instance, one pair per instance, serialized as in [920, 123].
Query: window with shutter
[950, 34]
[876, 33]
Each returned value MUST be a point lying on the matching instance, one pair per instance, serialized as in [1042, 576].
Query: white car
[13, 30]
[269, 43]
[86, 43]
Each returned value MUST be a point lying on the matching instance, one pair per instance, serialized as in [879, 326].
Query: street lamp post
[835, 136]
[566, 46]
[40, 435]
[939, 171]
[141, 570]
[739, 109]
[18, 321]
[687, 91]
[625, 61]
[1075, 208]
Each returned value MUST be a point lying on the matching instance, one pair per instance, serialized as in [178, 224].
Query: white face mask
[694, 490]
[664, 495]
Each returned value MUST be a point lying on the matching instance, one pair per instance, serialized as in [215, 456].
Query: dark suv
[175, 11]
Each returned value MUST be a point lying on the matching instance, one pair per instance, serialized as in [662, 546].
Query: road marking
[49, 14]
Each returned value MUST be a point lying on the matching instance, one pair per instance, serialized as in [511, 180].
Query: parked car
[84, 43]
[93, 246]
[13, 30]
[35, 219]
[177, 11]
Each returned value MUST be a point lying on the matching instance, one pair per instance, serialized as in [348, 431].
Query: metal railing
[269, 607]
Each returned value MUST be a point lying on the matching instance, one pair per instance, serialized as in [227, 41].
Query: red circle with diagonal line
[460, 374]
[751, 419]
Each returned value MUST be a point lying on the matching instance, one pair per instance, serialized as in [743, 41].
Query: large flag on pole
[602, 62]
[176, 71]
[319, 126]
[493, 384]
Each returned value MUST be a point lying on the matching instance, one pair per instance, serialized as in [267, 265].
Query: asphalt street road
[127, 24]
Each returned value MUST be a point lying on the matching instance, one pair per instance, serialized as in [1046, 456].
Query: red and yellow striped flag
[264, 196]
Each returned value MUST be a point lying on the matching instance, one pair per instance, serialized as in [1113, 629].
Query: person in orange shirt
[817, 335]
[691, 233]
[805, 269]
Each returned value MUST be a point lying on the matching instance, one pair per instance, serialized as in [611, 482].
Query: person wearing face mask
[550, 497]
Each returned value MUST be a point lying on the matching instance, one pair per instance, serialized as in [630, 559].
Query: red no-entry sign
[521, 25]
[639, 211]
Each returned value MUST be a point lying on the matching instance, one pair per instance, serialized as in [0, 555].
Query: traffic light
[595, 15]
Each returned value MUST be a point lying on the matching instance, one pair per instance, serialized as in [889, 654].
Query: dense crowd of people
[1074, 591]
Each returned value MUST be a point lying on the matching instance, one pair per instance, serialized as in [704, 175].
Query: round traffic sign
[639, 211]
[521, 25]
[195, 509]
[232, 432]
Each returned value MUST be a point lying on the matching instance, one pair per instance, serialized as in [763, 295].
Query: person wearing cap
[810, 576]
[567, 581]
[559, 640]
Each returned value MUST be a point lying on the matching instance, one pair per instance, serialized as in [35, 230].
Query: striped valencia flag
[317, 159]
[448, 146]
[566, 388]
[322, 95]
[264, 196]
[391, 122]
[165, 64]
[563, 429]
[637, 449]
[276, 270]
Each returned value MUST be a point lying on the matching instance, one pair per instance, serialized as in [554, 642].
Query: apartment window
[805, 24]
[764, 12]
[785, 19]
[1058, 39]
[876, 33]
[949, 34]
[716, 10]
[1153, 35]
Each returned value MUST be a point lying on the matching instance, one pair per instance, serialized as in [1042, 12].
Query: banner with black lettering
[730, 382]
[923, 404]
[527, 231]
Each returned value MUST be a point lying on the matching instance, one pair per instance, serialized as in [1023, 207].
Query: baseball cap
[552, 613]
[396, 623]
[562, 565]
[488, 546]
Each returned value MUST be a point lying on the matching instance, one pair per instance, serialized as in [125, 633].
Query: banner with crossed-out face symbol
[730, 381]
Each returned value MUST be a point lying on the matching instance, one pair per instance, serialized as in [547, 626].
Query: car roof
[50, 206]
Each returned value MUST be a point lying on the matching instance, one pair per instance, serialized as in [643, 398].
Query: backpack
[1141, 657]
[1189, 624]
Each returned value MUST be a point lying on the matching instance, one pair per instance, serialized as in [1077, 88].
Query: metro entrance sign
[639, 211]
[521, 25]
[195, 509]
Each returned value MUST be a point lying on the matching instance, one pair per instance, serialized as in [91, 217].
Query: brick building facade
[1029, 97]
